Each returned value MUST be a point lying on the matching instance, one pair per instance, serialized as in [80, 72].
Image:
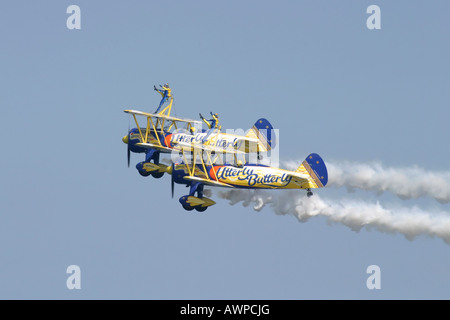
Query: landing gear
[157, 174]
[259, 156]
[199, 202]
[147, 167]
[144, 173]
[188, 207]
[309, 194]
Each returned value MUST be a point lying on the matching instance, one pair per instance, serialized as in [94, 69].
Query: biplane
[197, 173]
[162, 133]
[213, 158]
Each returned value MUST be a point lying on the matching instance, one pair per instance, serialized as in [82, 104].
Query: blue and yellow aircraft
[312, 173]
[200, 158]
[163, 133]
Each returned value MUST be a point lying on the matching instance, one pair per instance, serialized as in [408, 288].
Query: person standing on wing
[211, 123]
[165, 92]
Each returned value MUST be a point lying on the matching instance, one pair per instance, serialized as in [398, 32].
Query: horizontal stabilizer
[299, 176]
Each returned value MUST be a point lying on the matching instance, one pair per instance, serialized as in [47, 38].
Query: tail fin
[314, 166]
[263, 131]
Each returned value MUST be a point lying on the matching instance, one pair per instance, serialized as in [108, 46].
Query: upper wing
[160, 116]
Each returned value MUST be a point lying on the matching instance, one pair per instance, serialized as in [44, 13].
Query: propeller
[172, 179]
[128, 143]
[128, 149]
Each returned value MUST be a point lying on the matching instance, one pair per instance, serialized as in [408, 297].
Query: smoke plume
[411, 222]
[406, 183]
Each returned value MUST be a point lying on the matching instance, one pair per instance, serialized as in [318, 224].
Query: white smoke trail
[405, 183]
[411, 222]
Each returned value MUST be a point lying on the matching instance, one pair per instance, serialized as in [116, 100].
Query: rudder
[315, 167]
[264, 132]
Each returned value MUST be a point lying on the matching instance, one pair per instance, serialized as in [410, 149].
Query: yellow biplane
[201, 157]
[162, 133]
[197, 173]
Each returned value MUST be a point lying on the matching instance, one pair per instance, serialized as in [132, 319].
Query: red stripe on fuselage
[167, 141]
[212, 172]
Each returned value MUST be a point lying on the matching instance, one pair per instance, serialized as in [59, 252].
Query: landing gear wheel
[260, 157]
[200, 209]
[157, 174]
[309, 194]
[188, 208]
[144, 173]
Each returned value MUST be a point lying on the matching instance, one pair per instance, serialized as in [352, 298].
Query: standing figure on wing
[211, 123]
[165, 92]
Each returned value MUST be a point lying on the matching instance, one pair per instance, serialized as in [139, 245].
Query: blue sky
[327, 82]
